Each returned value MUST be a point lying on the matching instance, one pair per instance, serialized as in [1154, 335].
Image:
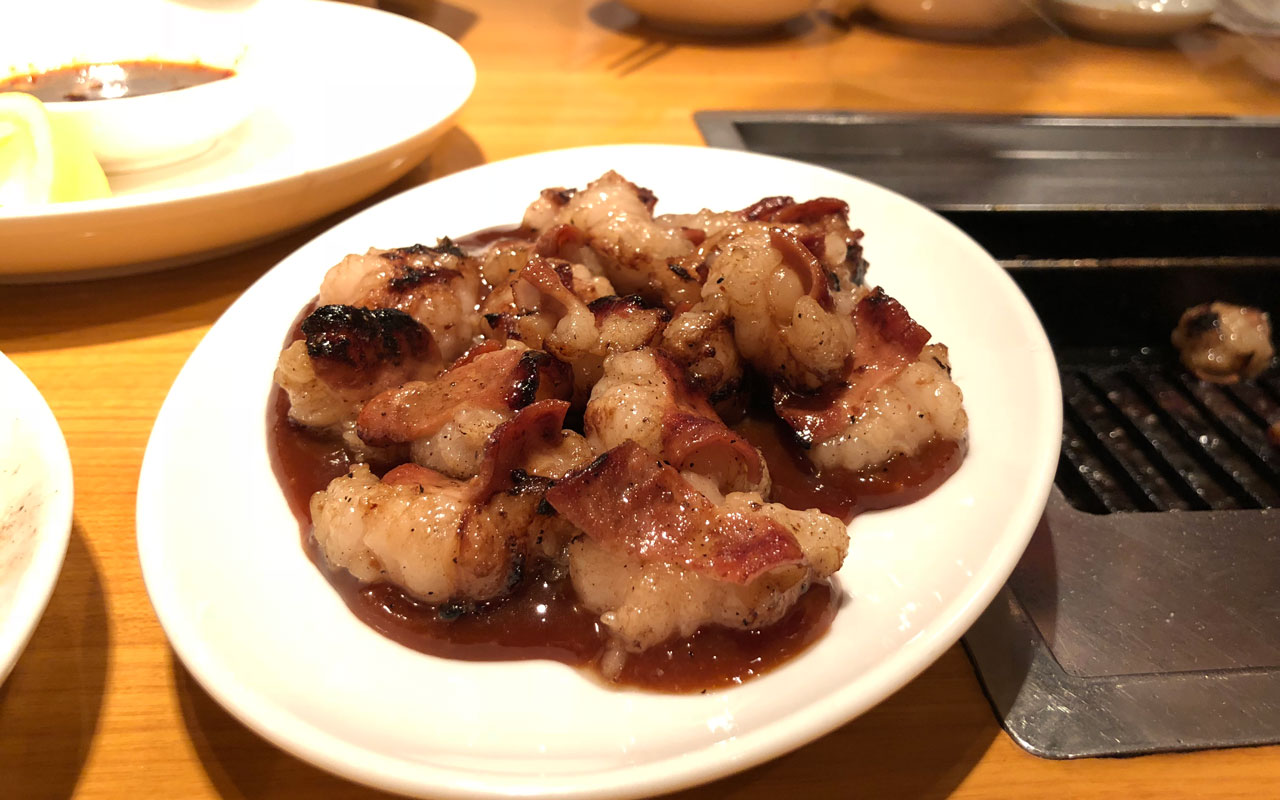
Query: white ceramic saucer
[349, 99]
[35, 509]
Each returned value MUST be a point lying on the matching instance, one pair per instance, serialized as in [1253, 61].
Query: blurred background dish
[321, 139]
[131, 133]
[1132, 19]
[1250, 17]
[723, 16]
[35, 509]
[952, 18]
[126, 131]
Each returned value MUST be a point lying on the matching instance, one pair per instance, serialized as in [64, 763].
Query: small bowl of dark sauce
[113, 80]
[141, 113]
[147, 85]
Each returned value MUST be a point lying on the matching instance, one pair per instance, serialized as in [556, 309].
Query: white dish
[137, 133]
[333, 125]
[726, 16]
[129, 133]
[952, 18]
[1132, 19]
[35, 509]
[263, 631]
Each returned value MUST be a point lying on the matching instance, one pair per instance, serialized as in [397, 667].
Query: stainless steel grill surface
[1145, 614]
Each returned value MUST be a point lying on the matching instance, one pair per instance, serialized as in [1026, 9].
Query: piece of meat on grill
[1223, 343]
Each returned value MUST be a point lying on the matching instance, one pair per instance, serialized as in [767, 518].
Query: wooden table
[99, 707]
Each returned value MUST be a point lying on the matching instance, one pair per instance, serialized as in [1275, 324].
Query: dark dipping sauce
[842, 493]
[541, 618]
[110, 81]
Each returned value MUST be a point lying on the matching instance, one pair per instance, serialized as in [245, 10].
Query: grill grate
[1140, 434]
[1119, 633]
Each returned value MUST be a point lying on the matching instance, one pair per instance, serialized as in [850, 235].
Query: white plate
[35, 509]
[266, 635]
[349, 99]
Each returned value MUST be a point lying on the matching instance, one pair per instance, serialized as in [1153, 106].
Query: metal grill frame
[1107, 260]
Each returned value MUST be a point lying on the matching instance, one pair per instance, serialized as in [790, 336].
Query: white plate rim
[41, 574]
[770, 741]
[132, 208]
[459, 92]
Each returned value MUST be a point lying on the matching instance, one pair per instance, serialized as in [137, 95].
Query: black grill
[1141, 434]
[1118, 633]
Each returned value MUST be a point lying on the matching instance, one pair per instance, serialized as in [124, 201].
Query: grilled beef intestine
[653, 327]
[446, 422]
[615, 220]
[701, 341]
[645, 397]
[348, 355]
[512, 309]
[676, 533]
[780, 282]
[821, 225]
[554, 307]
[439, 286]
[896, 394]
[777, 296]
[659, 559]
[1223, 343]
[442, 539]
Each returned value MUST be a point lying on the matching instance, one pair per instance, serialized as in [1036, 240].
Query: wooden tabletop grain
[99, 707]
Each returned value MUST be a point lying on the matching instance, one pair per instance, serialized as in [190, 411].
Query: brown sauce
[475, 242]
[842, 493]
[113, 80]
[717, 656]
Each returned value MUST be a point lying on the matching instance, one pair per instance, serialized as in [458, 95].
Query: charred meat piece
[888, 339]
[1223, 343]
[549, 309]
[615, 217]
[438, 286]
[821, 225]
[364, 348]
[644, 397]
[785, 321]
[660, 559]
[634, 503]
[498, 380]
[442, 539]
[348, 355]
[701, 341]
[897, 396]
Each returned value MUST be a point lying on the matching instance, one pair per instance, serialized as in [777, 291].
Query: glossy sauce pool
[798, 483]
[117, 79]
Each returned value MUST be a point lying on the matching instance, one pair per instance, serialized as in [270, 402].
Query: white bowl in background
[308, 152]
[709, 16]
[1132, 19]
[953, 18]
[130, 133]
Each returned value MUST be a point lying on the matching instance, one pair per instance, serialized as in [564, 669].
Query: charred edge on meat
[604, 307]
[332, 331]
